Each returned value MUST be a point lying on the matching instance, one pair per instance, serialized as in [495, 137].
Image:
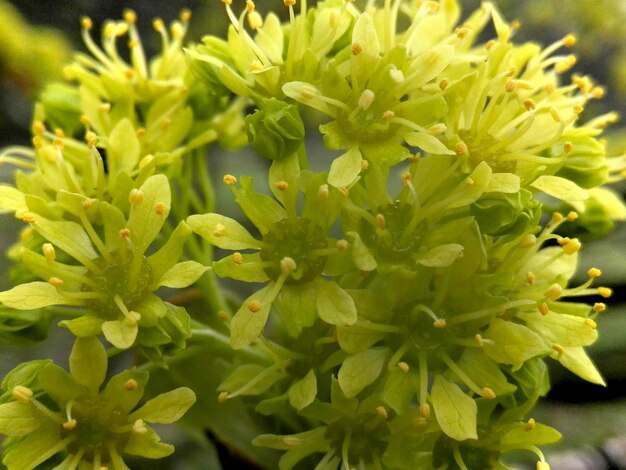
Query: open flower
[71, 413]
[293, 254]
[113, 279]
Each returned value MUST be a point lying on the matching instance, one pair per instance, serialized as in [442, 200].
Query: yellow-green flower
[72, 414]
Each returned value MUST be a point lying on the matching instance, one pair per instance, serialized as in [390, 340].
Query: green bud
[275, 130]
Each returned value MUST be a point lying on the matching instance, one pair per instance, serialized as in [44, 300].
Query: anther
[59, 132]
[440, 323]
[569, 40]
[432, 7]
[556, 217]
[139, 427]
[558, 348]
[564, 241]
[555, 115]
[406, 178]
[281, 185]
[132, 318]
[91, 138]
[131, 385]
[590, 323]
[237, 258]
[219, 230]
[366, 99]
[104, 108]
[230, 180]
[135, 197]
[510, 86]
[254, 306]
[27, 217]
[49, 252]
[37, 142]
[572, 247]
[403, 366]
[364, 165]
[86, 23]
[145, 161]
[528, 240]
[381, 412]
[39, 127]
[425, 410]
[488, 393]
[356, 48]
[462, 32]
[227, 2]
[55, 281]
[594, 272]
[529, 104]
[69, 425]
[21, 393]
[160, 208]
[85, 120]
[479, 340]
[578, 109]
[443, 84]
[554, 292]
[461, 148]
[599, 307]
[124, 234]
[87, 203]
[222, 315]
[530, 425]
[58, 143]
[130, 16]
[158, 25]
[543, 309]
[489, 44]
[341, 245]
[287, 265]
[565, 64]
[388, 115]
[605, 292]
[396, 75]
[598, 92]
[289, 3]
[380, 221]
[568, 147]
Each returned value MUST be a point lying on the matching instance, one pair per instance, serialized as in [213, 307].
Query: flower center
[298, 239]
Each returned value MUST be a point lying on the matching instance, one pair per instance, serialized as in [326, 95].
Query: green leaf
[123, 148]
[511, 343]
[566, 330]
[303, 392]
[297, 307]
[85, 325]
[361, 369]
[560, 188]
[428, 143]
[484, 372]
[345, 168]
[248, 324]
[504, 183]
[182, 274]
[167, 407]
[519, 436]
[441, 256]
[11, 199]
[251, 379]
[399, 389]
[34, 449]
[147, 445]
[120, 396]
[24, 374]
[455, 411]
[249, 270]
[119, 333]
[577, 361]
[171, 252]
[18, 419]
[35, 295]
[334, 305]
[60, 385]
[363, 259]
[260, 209]
[222, 231]
[68, 236]
[147, 218]
[88, 362]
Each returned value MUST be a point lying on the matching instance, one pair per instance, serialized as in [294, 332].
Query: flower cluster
[406, 287]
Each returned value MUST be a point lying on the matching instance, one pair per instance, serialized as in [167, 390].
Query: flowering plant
[408, 279]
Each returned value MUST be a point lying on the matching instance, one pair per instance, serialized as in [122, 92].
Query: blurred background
[36, 39]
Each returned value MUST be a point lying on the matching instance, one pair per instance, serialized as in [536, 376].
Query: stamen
[131, 385]
[230, 180]
[381, 412]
